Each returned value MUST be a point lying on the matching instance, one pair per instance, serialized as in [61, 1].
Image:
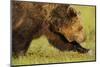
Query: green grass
[41, 52]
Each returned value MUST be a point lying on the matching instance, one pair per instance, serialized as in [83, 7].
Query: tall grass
[41, 52]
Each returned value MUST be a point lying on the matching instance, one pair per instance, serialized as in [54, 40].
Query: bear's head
[66, 21]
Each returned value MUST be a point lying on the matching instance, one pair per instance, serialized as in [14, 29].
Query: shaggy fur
[58, 22]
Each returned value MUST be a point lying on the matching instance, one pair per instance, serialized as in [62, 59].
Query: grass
[41, 52]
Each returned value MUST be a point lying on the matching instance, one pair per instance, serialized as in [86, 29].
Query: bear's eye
[57, 29]
[80, 28]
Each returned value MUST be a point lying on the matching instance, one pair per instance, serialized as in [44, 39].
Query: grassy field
[41, 52]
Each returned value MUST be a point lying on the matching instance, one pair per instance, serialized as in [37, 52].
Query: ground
[43, 52]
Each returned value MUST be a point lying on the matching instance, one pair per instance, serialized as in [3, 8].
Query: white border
[5, 33]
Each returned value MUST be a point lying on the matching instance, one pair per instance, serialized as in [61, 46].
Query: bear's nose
[84, 38]
[80, 38]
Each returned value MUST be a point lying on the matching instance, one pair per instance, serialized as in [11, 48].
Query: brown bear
[60, 23]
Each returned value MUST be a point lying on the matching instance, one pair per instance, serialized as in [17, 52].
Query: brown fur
[59, 23]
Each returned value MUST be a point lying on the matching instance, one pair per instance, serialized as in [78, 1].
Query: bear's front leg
[58, 41]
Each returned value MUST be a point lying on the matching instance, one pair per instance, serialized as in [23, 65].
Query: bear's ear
[71, 12]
